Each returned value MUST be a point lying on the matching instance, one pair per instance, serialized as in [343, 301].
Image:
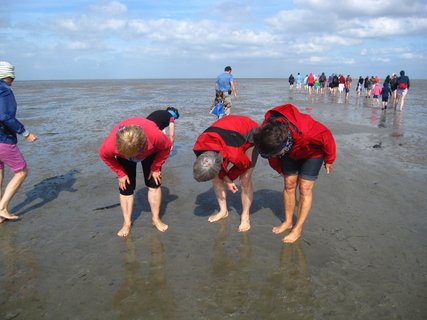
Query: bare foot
[282, 228]
[245, 225]
[292, 236]
[125, 230]
[6, 215]
[218, 216]
[1, 220]
[162, 227]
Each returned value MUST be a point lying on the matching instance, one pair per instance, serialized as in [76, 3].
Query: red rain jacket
[231, 136]
[157, 142]
[311, 139]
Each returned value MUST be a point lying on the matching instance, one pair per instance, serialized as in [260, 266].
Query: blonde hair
[130, 140]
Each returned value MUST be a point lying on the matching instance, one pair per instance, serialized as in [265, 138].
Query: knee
[245, 181]
[305, 189]
[290, 185]
[22, 174]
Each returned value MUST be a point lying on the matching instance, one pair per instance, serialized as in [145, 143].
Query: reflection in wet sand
[19, 274]
[288, 291]
[145, 293]
[228, 283]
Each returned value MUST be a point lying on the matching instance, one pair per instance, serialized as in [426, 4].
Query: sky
[141, 39]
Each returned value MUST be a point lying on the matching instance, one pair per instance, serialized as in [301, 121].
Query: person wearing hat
[296, 146]
[10, 154]
[225, 151]
[165, 119]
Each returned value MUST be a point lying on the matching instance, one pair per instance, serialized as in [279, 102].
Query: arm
[233, 88]
[108, 155]
[8, 112]
[172, 132]
[162, 145]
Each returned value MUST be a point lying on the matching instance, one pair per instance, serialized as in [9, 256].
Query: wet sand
[362, 255]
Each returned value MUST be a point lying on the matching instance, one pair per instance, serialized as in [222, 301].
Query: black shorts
[130, 169]
[307, 169]
[384, 99]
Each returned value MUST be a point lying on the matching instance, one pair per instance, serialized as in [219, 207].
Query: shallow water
[63, 260]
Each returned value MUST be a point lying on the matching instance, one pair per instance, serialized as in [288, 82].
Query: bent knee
[22, 173]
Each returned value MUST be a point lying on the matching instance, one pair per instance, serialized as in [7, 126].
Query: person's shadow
[206, 202]
[47, 190]
[141, 202]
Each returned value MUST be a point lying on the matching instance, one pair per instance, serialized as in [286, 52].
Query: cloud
[271, 36]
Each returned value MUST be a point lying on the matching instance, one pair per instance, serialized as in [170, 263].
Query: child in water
[217, 107]
[376, 91]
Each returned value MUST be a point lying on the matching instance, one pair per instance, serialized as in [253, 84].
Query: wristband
[26, 133]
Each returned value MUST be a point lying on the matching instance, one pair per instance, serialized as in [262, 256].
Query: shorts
[12, 157]
[403, 92]
[130, 168]
[307, 169]
[375, 96]
[385, 99]
[227, 103]
[311, 84]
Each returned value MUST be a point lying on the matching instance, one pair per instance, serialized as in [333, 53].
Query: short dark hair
[227, 68]
[270, 136]
[174, 110]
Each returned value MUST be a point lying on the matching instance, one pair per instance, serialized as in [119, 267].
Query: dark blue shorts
[307, 169]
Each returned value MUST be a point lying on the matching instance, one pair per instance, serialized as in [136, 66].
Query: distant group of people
[295, 145]
[393, 86]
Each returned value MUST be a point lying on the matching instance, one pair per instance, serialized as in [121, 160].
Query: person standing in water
[296, 146]
[131, 141]
[228, 141]
[10, 154]
[225, 84]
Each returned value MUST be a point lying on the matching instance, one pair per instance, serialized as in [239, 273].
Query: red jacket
[157, 142]
[231, 136]
[310, 78]
[311, 139]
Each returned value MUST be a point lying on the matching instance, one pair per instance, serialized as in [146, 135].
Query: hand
[328, 167]
[31, 137]
[157, 176]
[123, 181]
[230, 185]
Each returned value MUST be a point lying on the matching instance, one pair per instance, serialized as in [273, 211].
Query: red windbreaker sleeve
[107, 153]
[163, 146]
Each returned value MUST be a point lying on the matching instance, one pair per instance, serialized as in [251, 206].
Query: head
[272, 139]
[173, 111]
[402, 73]
[227, 69]
[7, 72]
[207, 166]
[130, 140]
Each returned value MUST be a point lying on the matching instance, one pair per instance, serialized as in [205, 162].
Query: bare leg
[305, 201]
[126, 203]
[247, 198]
[402, 101]
[289, 200]
[221, 197]
[11, 189]
[1, 188]
[154, 199]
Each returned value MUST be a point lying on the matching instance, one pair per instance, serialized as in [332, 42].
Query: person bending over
[131, 141]
[296, 146]
[228, 141]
